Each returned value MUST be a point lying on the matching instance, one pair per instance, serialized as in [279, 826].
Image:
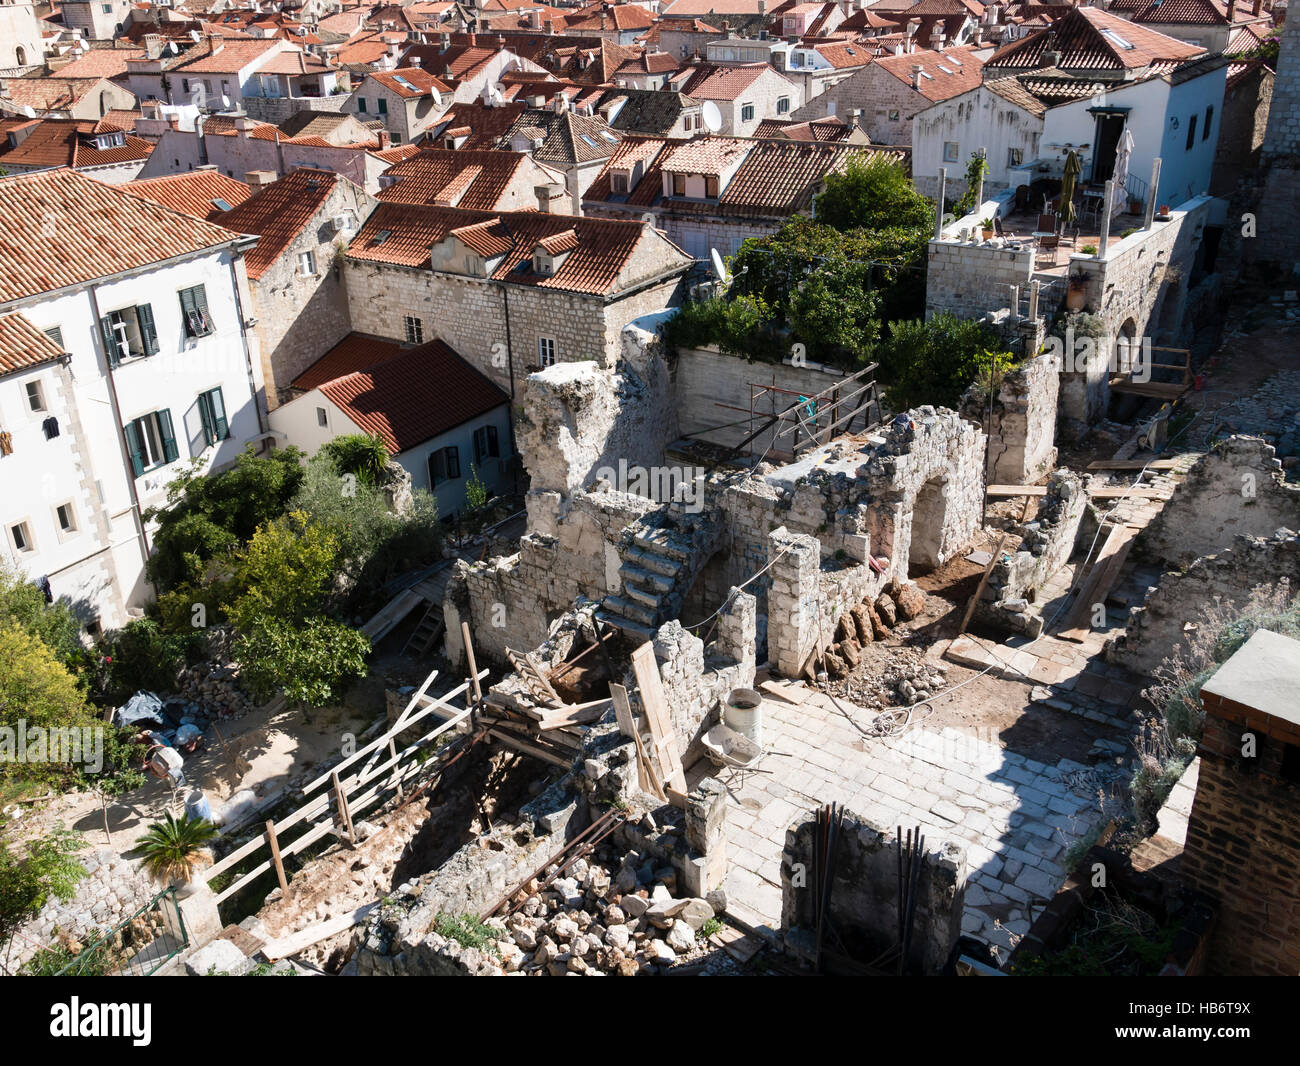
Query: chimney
[1232, 11]
[383, 138]
[916, 76]
[153, 45]
[762, 7]
[1259, 4]
[560, 104]
[535, 18]
[259, 177]
[726, 30]
[548, 197]
[213, 47]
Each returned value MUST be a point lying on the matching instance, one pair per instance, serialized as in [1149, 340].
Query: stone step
[649, 597]
[631, 609]
[652, 561]
[649, 580]
[631, 628]
[662, 542]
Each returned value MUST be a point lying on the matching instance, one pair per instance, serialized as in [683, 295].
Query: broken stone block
[886, 611]
[219, 957]
[910, 601]
[681, 937]
[634, 906]
[878, 627]
[836, 666]
[862, 623]
[844, 628]
[851, 651]
[656, 951]
[696, 912]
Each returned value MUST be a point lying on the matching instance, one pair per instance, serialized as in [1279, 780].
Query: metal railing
[136, 947]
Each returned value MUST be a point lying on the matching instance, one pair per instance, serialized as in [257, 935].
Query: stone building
[510, 292]
[743, 95]
[476, 180]
[407, 100]
[303, 222]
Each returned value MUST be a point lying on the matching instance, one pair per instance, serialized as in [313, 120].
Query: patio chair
[1046, 247]
[1047, 222]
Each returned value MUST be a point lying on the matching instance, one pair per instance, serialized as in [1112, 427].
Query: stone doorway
[928, 514]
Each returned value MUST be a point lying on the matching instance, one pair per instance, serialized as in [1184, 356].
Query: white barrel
[742, 711]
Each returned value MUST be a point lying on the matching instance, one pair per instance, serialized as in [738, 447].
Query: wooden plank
[284, 947]
[274, 844]
[664, 748]
[622, 710]
[1132, 492]
[1100, 577]
[578, 714]
[646, 776]
[979, 589]
[1017, 490]
[512, 740]
[473, 666]
[1133, 464]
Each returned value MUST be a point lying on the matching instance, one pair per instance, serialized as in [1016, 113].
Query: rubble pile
[869, 621]
[214, 688]
[590, 920]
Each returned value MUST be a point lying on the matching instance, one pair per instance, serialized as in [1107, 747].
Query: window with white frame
[746, 112]
[129, 333]
[413, 327]
[21, 535]
[307, 264]
[150, 441]
[34, 392]
[951, 151]
[783, 105]
[65, 517]
[546, 351]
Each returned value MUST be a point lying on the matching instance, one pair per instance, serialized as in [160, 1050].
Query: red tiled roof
[706, 155]
[278, 212]
[229, 56]
[1238, 72]
[49, 94]
[23, 345]
[485, 125]
[63, 142]
[438, 174]
[604, 245]
[624, 18]
[99, 63]
[943, 74]
[823, 130]
[411, 82]
[294, 63]
[97, 229]
[355, 352]
[722, 83]
[490, 238]
[414, 396]
[1088, 38]
[842, 55]
[1184, 13]
[192, 193]
[559, 243]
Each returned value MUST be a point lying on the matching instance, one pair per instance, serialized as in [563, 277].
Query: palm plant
[172, 848]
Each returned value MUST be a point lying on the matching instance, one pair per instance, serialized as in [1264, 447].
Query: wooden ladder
[426, 632]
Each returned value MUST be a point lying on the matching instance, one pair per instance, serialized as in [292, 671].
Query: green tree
[873, 192]
[208, 515]
[365, 457]
[142, 655]
[38, 689]
[934, 361]
[314, 661]
[120, 772]
[28, 880]
[284, 571]
[23, 604]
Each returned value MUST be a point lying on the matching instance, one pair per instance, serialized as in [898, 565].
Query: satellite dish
[437, 97]
[719, 267]
[225, 103]
[711, 116]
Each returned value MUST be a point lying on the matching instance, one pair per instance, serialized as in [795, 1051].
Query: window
[150, 441]
[1015, 156]
[1191, 132]
[711, 186]
[129, 333]
[951, 151]
[35, 396]
[546, 351]
[688, 123]
[444, 465]
[746, 112]
[194, 311]
[895, 115]
[783, 106]
[307, 263]
[212, 412]
[107, 9]
[679, 184]
[485, 444]
[55, 333]
[1209, 117]
[383, 106]
[618, 182]
[361, 104]
[66, 517]
[22, 537]
[414, 329]
[322, 418]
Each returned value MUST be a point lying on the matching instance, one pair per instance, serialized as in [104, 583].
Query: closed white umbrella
[1120, 177]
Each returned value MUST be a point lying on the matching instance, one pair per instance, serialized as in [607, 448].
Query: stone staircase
[661, 556]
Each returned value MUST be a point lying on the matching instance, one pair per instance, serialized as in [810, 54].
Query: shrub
[872, 192]
[313, 660]
[365, 457]
[145, 656]
[48, 868]
[934, 361]
[23, 605]
[284, 571]
[172, 849]
[467, 930]
[38, 689]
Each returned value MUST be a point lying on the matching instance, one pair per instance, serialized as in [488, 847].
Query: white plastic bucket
[742, 711]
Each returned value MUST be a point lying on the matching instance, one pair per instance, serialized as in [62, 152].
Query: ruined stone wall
[1159, 624]
[1022, 431]
[704, 378]
[1046, 546]
[974, 278]
[1237, 487]
[1282, 140]
[864, 893]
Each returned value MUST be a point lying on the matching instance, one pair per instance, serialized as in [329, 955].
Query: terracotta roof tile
[97, 230]
[356, 351]
[278, 212]
[1089, 39]
[193, 193]
[64, 142]
[477, 180]
[411, 82]
[23, 345]
[722, 83]
[943, 74]
[228, 58]
[414, 396]
[49, 94]
[99, 63]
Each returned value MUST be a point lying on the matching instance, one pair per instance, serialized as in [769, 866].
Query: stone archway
[928, 515]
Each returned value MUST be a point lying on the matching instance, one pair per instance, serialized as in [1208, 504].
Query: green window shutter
[135, 446]
[201, 305]
[220, 427]
[148, 331]
[110, 341]
[205, 416]
[453, 463]
[494, 449]
[170, 451]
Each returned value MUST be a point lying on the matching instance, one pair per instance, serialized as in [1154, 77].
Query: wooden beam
[979, 589]
[473, 666]
[1101, 577]
[1133, 464]
[275, 855]
[646, 668]
[288, 946]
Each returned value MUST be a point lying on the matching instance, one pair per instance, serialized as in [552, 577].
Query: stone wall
[1046, 546]
[279, 109]
[1154, 629]
[1235, 488]
[705, 379]
[1282, 141]
[1022, 430]
[972, 278]
[864, 895]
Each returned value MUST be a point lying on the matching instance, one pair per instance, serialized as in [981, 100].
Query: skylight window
[944, 69]
[610, 137]
[589, 141]
[1117, 39]
[221, 205]
[383, 235]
